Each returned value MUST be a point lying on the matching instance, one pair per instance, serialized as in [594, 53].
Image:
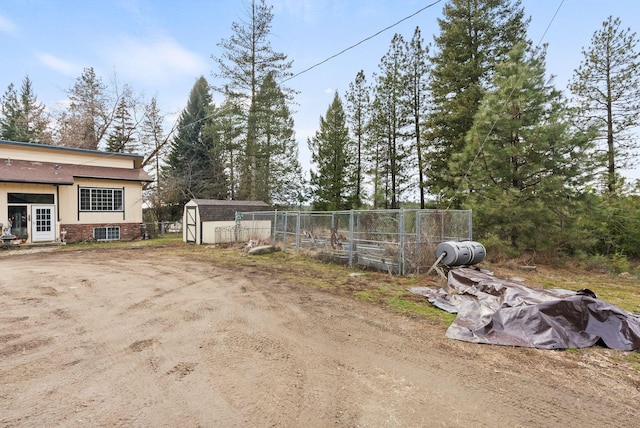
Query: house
[212, 221]
[50, 193]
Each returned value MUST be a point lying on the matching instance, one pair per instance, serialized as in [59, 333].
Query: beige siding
[221, 232]
[69, 213]
[43, 154]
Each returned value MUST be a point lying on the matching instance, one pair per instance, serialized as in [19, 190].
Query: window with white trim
[101, 199]
[107, 233]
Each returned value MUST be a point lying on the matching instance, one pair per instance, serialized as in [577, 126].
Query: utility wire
[339, 53]
[361, 41]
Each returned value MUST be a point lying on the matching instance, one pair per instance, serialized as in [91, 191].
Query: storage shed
[212, 221]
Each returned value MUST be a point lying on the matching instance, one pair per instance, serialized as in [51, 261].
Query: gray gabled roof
[225, 210]
[230, 203]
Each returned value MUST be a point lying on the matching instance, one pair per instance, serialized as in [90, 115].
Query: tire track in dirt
[147, 338]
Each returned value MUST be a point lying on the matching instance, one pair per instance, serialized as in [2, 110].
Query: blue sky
[161, 47]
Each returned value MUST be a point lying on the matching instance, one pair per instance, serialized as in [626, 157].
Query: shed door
[190, 221]
[42, 223]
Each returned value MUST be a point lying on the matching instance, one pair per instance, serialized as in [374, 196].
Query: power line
[361, 41]
[339, 53]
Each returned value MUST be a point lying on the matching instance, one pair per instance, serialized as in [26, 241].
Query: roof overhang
[20, 171]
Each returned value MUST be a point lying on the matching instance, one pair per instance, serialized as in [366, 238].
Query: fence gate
[191, 224]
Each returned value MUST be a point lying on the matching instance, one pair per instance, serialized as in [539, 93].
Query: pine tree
[35, 121]
[193, 165]
[86, 122]
[154, 144]
[121, 138]
[23, 117]
[329, 183]
[229, 125]
[607, 90]
[377, 155]
[358, 115]
[10, 118]
[523, 164]
[276, 142]
[153, 140]
[417, 72]
[246, 61]
[390, 102]
[474, 36]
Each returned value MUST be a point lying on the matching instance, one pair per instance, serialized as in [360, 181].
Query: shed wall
[224, 232]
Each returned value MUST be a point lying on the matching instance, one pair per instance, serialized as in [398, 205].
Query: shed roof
[226, 202]
[20, 171]
[225, 210]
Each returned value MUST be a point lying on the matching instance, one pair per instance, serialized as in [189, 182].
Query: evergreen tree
[286, 180]
[228, 124]
[377, 155]
[154, 144]
[23, 117]
[417, 72]
[215, 178]
[523, 164]
[246, 61]
[276, 143]
[358, 114]
[193, 164]
[10, 118]
[390, 101]
[86, 122]
[330, 183]
[153, 140]
[121, 138]
[474, 36]
[607, 88]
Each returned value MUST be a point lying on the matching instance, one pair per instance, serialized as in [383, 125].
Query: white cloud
[6, 26]
[305, 10]
[154, 61]
[328, 91]
[61, 66]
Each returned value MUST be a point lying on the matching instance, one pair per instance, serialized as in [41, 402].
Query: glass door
[18, 219]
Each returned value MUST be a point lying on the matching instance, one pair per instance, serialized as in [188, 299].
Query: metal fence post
[284, 234]
[275, 227]
[298, 232]
[351, 243]
[403, 241]
[418, 238]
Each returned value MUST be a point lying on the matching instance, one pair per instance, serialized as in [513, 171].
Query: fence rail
[397, 241]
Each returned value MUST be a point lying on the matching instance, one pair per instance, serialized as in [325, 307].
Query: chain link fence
[159, 229]
[395, 241]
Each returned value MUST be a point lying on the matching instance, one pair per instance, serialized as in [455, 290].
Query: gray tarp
[501, 312]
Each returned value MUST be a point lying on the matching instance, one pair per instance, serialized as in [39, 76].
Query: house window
[99, 199]
[108, 233]
[30, 198]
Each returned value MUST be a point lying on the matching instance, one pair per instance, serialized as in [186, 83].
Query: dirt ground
[153, 337]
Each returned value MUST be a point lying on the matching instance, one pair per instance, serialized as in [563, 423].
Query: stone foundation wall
[83, 232]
